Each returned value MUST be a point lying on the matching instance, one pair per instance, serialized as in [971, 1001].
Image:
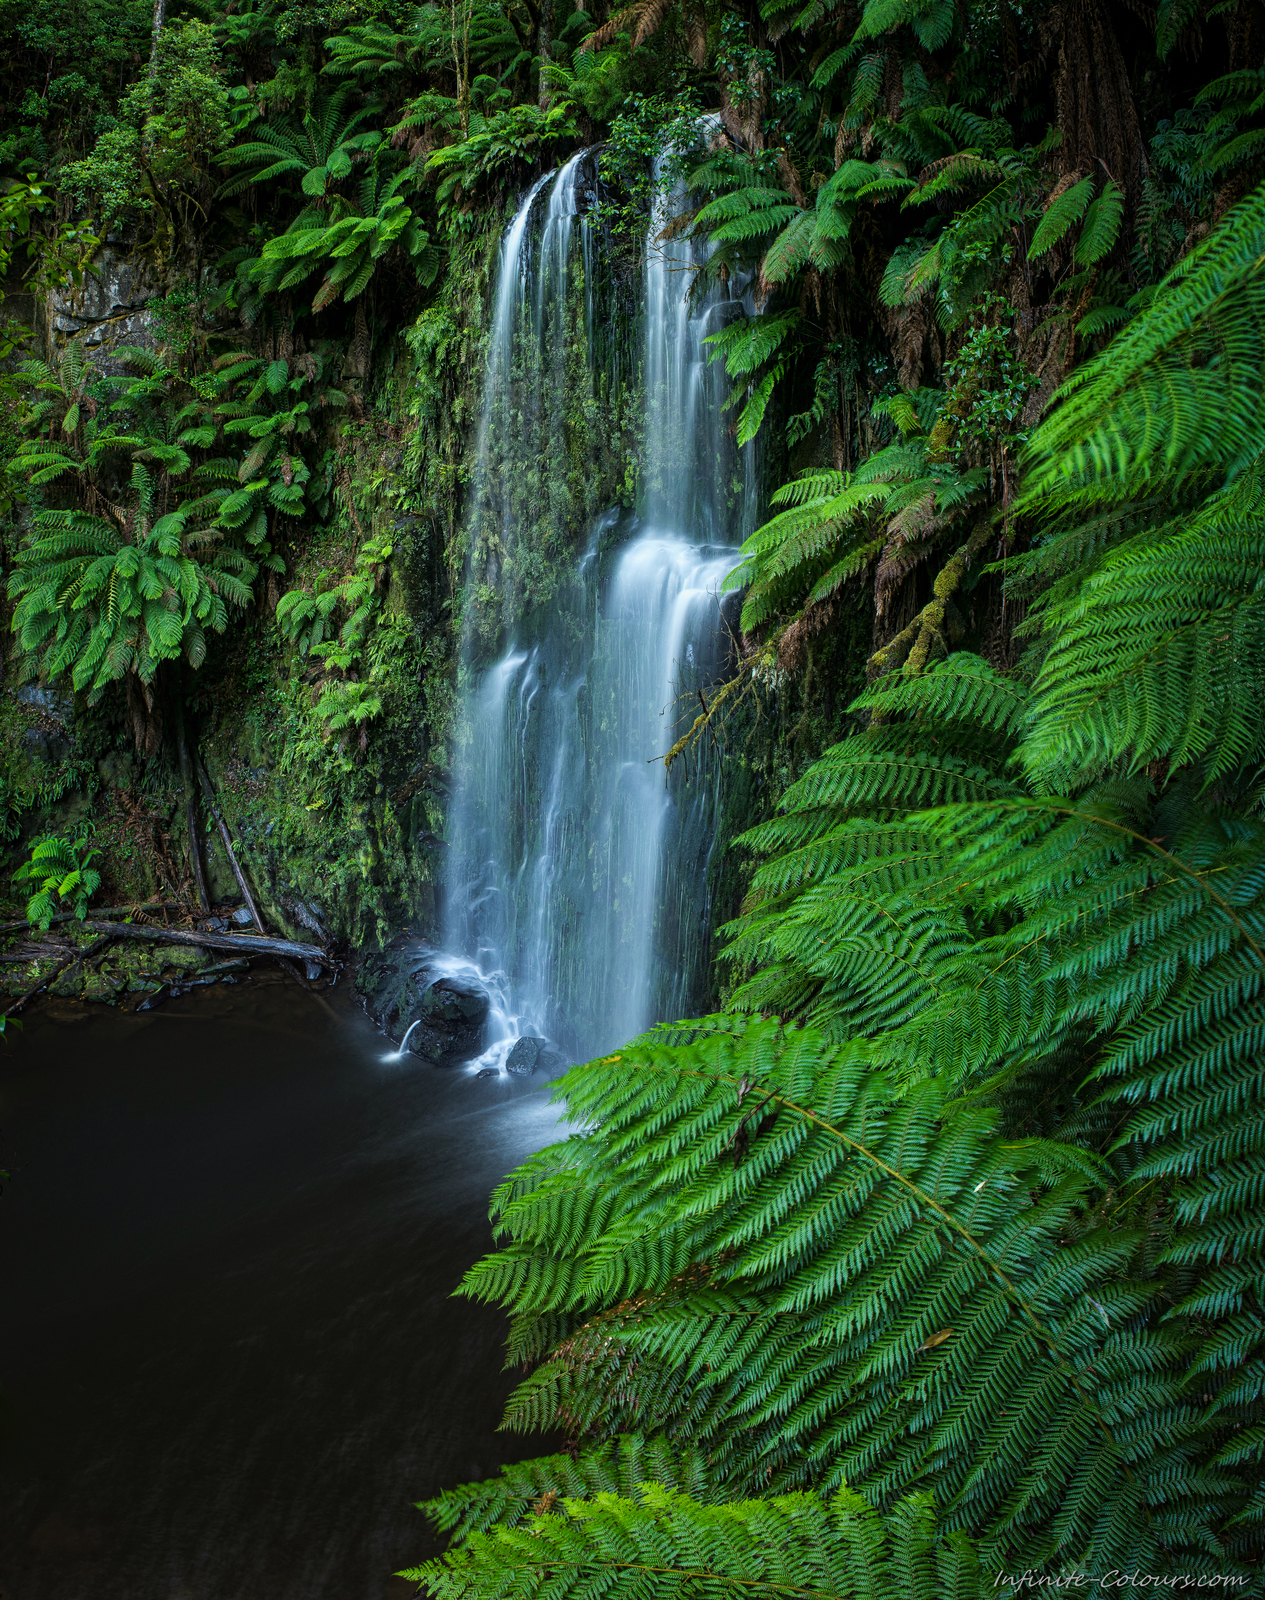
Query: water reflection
[227, 1344]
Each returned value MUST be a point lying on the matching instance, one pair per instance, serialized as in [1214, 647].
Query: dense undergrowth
[936, 1255]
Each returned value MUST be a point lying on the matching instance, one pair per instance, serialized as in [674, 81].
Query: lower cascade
[576, 890]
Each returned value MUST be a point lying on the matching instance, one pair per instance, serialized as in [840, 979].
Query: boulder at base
[524, 1056]
[452, 1020]
[443, 1016]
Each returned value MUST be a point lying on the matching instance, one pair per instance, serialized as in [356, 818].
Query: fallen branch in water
[245, 944]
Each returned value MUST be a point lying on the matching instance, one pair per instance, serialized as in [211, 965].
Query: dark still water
[229, 1356]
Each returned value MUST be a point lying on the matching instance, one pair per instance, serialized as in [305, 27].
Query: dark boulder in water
[524, 1056]
[442, 1015]
[451, 1020]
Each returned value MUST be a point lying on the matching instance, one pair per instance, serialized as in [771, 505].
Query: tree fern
[861, 1261]
[1061, 214]
[965, 1193]
[1177, 394]
[661, 1541]
[1160, 650]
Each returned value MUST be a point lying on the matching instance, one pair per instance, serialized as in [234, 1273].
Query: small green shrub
[61, 874]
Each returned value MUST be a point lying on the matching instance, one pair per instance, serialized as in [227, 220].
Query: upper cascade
[540, 454]
[698, 481]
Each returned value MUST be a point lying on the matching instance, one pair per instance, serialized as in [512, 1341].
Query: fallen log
[247, 944]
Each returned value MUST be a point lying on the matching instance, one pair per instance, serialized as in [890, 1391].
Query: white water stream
[577, 883]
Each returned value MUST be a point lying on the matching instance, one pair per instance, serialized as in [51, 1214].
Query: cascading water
[577, 881]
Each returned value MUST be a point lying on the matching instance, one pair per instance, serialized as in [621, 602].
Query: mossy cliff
[340, 817]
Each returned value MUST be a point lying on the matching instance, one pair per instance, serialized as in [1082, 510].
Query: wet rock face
[108, 309]
[444, 1018]
[48, 736]
[452, 1006]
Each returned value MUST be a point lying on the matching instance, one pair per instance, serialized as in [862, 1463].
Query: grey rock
[523, 1057]
[44, 744]
[44, 697]
[48, 739]
[110, 307]
[304, 913]
[448, 1003]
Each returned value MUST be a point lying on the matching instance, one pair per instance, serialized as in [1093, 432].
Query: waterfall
[698, 481]
[577, 881]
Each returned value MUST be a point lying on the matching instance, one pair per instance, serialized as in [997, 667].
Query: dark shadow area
[229, 1354]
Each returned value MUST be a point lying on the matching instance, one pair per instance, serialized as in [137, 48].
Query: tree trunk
[546, 45]
[191, 809]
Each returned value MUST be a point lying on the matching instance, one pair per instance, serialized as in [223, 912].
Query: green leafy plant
[155, 161]
[786, 1544]
[133, 573]
[320, 151]
[60, 875]
[349, 241]
[897, 507]
[495, 147]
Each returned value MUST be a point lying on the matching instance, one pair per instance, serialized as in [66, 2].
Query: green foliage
[98, 601]
[64, 63]
[157, 159]
[661, 1542]
[613, 1468]
[308, 621]
[897, 504]
[114, 584]
[1175, 399]
[20, 204]
[1233, 143]
[1062, 213]
[374, 48]
[60, 874]
[963, 1198]
[960, 1204]
[349, 240]
[318, 151]
[495, 146]
[1101, 227]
